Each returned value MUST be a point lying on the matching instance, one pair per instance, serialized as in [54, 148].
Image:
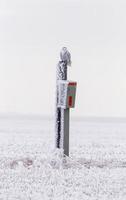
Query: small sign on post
[67, 92]
[65, 99]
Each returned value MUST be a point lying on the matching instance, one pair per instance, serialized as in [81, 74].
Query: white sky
[32, 32]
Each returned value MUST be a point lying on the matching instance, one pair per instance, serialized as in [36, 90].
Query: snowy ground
[30, 168]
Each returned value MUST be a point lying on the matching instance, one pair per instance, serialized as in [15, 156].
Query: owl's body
[65, 56]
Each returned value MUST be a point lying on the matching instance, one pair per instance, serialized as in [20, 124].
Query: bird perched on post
[65, 56]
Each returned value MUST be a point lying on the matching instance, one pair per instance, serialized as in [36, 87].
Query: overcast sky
[32, 32]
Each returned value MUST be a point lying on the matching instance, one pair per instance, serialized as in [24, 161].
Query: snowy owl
[65, 56]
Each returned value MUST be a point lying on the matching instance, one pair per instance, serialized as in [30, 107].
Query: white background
[32, 33]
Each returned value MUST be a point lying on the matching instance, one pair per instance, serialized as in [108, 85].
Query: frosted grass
[30, 168]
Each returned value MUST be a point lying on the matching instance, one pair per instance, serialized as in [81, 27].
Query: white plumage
[65, 56]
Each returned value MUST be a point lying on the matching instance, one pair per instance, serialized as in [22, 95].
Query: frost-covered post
[62, 115]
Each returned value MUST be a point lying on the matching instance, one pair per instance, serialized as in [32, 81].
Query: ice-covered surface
[30, 168]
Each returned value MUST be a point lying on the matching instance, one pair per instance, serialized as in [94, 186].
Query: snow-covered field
[31, 169]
